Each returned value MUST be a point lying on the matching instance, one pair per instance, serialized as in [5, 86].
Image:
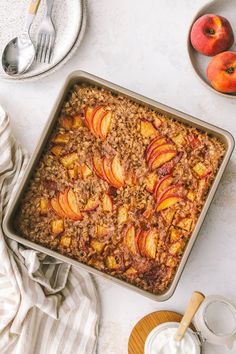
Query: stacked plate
[69, 18]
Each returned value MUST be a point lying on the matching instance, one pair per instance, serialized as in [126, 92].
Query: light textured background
[141, 45]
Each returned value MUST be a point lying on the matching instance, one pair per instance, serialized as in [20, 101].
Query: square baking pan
[80, 77]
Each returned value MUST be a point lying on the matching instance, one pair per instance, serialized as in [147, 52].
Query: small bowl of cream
[161, 340]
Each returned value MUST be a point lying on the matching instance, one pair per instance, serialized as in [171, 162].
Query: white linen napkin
[46, 306]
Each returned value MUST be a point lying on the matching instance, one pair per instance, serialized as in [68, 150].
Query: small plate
[199, 62]
[69, 21]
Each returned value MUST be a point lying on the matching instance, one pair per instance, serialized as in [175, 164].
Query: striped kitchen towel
[46, 306]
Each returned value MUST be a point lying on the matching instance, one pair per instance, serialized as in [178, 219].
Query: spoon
[194, 304]
[19, 53]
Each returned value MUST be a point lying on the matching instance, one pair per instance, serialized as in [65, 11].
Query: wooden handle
[33, 8]
[194, 303]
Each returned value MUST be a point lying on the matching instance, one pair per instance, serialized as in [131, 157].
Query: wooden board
[142, 329]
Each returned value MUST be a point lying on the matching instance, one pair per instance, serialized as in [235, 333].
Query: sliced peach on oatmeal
[168, 202]
[98, 246]
[98, 114]
[85, 171]
[162, 184]
[175, 234]
[141, 241]
[66, 122]
[105, 125]
[57, 150]
[57, 226]
[129, 239]
[89, 111]
[44, 206]
[168, 215]
[191, 195]
[131, 272]
[158, 150]
[111, 263]
[174, 189]
[107, 203]
[185, 223]
[98, 167]
[122, 215]
[162, 158]
[176, 248]
[151, 244]
[101, 230]
[179, 139]
[150, 181]
[117, 170]
[65, 241]
[147, 129]
[69, 159]
[73, 173]
[73, 204]
[154, 144]
[91, 205]
[77, 122]
[57, 208]
[61, 138]
[201, 170]
[64, 204]
[109, 175]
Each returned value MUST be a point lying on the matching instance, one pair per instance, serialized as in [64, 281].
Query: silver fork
[46, 37]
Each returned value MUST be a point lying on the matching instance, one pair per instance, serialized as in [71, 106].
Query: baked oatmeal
[119, 187]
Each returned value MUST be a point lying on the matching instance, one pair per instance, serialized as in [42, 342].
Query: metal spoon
[19, 53]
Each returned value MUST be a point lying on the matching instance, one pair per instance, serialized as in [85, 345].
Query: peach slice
[168, 202]
[97, 246]
[107, 203]
[63, 201]
[175, 234]
[44, 206]
[97, 117]
[105, 125]
[65, 241]
[61, 139]
[191, 195]
[72, 202]
[175, 189]
[176, 248]
[77, 122]
[129, 239]
[162, 184]
[57, 208]
[117, 170]
[101, 230]
[108, 172]
[150, 182]
[179, 139]
[57, 226]
[131, 272]
[162, 158]
[98, 167]
[85, 171]
[151, 244]
[66, 122]
[69, 159]
[122, 215]
[56, 150]
[157, 150]
[201, 170]
[147, 129]
[88, 119]
[73, 173]
[153, 144]
[111, 263]
[168, 215]
[141, 241]
[91, 205]
[185, 223]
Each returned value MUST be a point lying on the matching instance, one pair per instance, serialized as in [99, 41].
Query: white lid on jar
[216, 321]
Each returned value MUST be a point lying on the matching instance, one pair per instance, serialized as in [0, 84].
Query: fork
[46, 37]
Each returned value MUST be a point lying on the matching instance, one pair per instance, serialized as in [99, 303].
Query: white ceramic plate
[225, 8]
[69, 21]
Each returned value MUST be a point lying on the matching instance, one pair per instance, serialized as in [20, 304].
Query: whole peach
[211, 34]
[221, 72]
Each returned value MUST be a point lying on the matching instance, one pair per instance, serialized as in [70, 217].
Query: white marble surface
[141, 45]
